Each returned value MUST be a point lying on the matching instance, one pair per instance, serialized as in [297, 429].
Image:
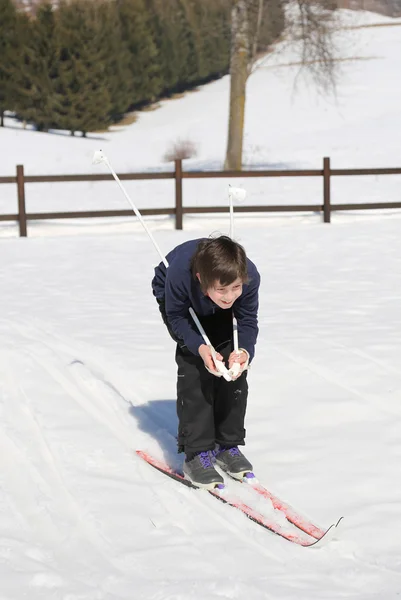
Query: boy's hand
[242, 357]
[206, 355]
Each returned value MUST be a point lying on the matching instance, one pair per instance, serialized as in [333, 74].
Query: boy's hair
[219, 259]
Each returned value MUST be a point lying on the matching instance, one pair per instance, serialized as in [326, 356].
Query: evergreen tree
[186, 48]
[193, 40]
[177, 46]
[38, 98]
[117, 59]
[146, 83]
[82, 82]
[212, 30]
[160, 20]
[8, 53]
[85, 63]
[222, 41]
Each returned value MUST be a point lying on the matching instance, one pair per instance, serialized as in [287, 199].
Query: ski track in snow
[100, 408]
[72, 415]
[49, 514]
[86, 382]
[325, 374]
[82, 385]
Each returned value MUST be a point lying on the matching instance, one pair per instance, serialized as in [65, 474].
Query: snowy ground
[81, 389]
[87, 372]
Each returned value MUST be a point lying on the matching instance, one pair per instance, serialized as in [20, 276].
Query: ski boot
[201, 472]
[233, 462]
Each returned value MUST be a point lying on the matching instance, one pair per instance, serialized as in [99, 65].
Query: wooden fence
[326, 208]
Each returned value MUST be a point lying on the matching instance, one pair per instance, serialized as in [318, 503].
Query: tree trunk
[1, 118]
[240, 55]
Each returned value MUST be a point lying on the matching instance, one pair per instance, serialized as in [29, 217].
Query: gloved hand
[213, 362]
[238, 362]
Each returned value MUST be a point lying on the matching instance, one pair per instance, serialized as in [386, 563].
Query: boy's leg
[229, 411]
[230, 397]
[196, 430]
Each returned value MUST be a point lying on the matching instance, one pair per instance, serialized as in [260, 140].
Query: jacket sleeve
[177, 312]
[246, 313]
[159, 282]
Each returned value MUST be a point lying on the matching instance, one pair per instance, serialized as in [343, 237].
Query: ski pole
[100, 157]
[239, 195]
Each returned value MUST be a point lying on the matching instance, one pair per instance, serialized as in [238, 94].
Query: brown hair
[219, 259]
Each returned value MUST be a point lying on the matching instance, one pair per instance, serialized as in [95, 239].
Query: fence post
[21, 201]
[326, 190]
[178, 194]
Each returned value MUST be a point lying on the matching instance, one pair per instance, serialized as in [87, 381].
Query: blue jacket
[179, 290]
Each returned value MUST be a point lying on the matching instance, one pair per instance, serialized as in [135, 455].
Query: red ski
[220, 492]
[290, 513]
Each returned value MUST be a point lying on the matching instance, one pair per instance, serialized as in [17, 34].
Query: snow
[87, 371]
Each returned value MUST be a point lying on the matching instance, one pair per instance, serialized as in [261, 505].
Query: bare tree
[239, 71]
[308, 22]
[312, 26]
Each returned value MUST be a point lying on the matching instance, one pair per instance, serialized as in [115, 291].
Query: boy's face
[225, 295]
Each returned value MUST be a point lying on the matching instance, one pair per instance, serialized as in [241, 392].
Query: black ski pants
[210, 409]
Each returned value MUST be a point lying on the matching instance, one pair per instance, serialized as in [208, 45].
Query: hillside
[288, 125]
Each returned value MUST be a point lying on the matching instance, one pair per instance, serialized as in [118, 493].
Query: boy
[216, 279]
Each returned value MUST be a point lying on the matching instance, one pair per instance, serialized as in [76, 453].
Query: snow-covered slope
[87, 376]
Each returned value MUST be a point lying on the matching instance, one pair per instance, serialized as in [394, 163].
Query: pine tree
[177, 46]
[193, 40]
[218, 47]
[160, 21]
[8, 50]
[187, 51]
[199, 18]
[117, 59]
[137, 34]
[82, 82]
[211, 25]
[38, 98]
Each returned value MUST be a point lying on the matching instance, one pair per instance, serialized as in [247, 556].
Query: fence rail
[326, 208]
